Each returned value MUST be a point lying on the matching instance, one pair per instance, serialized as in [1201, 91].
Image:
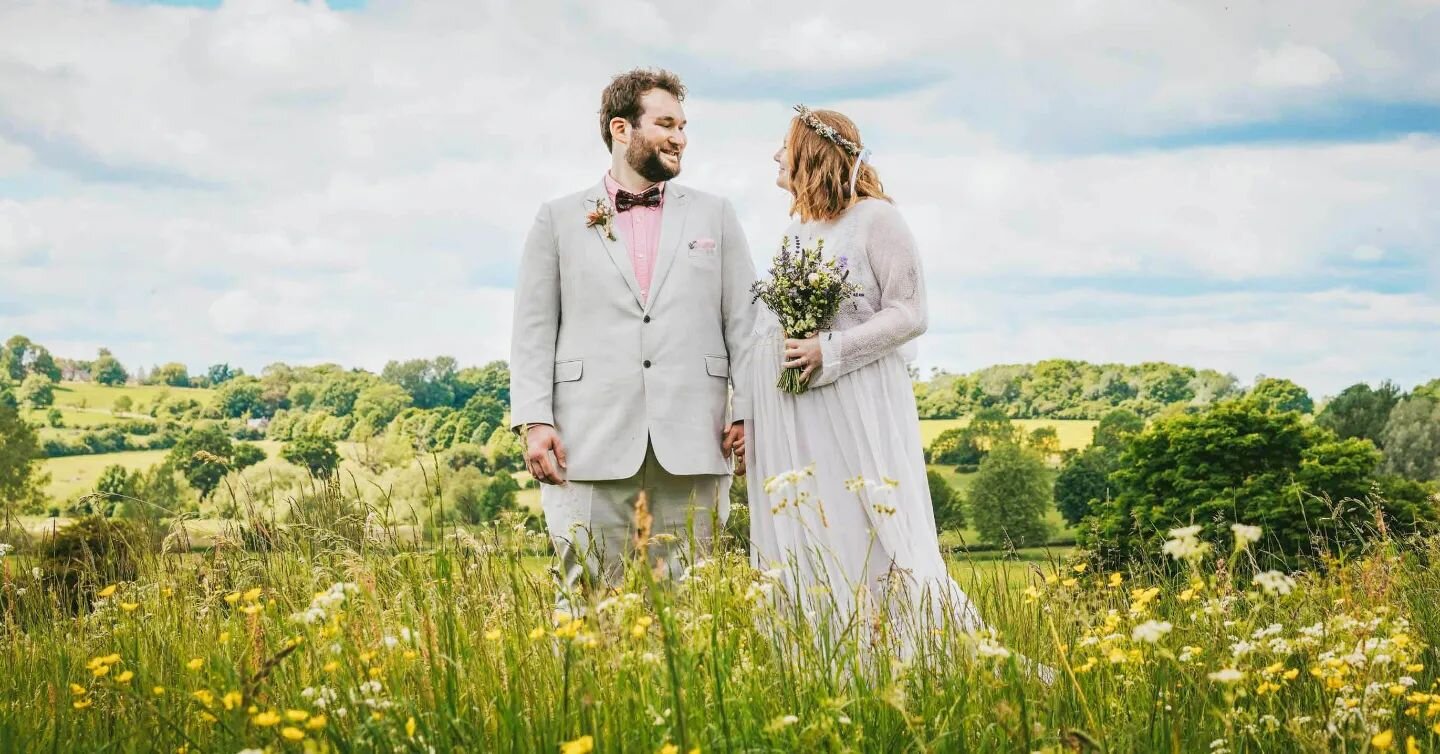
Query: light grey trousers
[593, 525]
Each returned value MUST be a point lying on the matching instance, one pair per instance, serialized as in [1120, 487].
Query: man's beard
[644, 158]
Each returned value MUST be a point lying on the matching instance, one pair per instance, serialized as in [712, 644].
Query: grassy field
[1073, 433]
[328, 642]
[90, 395]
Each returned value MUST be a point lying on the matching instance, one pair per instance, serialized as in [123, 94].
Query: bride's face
[782, 179]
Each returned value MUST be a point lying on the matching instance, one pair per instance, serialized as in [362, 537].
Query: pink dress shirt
[639, 227]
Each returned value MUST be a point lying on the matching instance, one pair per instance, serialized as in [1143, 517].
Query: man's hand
[734, 443]
[540, 440]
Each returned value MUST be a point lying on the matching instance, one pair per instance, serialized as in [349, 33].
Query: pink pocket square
[703, 244]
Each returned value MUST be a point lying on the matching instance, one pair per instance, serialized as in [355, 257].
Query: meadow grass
[1073, 433]
[341, 636]
[93, 395]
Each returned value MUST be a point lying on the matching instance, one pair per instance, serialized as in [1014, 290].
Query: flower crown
[827, 132]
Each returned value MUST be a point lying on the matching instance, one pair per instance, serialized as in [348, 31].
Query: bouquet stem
[792, 382]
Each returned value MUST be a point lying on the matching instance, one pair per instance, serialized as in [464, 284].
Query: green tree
[1117, 427]
[106, 370]
[493, 380]
[238, 397]
[1045, 441]
[313, 453]
[21, 488]
[219, 374]
[205, 454]
[116, 483]
[1360, 411]
[122, 405]
[54, 418]
[1411, 439]
[1084, 480]
[173, 374]
[1281, 395]
[21, 356]
[948, 505]
[478, 499]
[505, 450]
[37, 391]
[430, 382]
[1008, 497]
[1241, 462]
[377, 405]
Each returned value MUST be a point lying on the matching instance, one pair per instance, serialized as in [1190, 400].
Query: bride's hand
[803, 354]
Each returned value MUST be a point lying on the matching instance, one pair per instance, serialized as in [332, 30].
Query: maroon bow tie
[624, 200]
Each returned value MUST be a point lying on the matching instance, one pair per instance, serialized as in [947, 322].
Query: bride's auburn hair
[820, 169]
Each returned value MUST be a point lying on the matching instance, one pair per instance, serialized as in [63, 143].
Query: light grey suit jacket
[611, 372]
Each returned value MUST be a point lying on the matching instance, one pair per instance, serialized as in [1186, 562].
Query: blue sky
[1241, 188]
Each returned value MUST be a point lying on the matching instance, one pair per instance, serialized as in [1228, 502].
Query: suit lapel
[616, 249]
[672, 227]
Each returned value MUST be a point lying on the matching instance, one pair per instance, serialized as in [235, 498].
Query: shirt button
[647, 319]
[647, 363]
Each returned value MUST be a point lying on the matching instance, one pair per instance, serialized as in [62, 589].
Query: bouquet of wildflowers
[805, 291]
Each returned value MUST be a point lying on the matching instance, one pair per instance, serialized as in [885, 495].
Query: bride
[839, 500]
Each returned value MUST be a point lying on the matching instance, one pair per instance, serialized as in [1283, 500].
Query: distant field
[1074, 433]
[91, 395]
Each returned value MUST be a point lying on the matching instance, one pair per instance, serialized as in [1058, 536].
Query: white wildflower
[1227, 675]
[1245, 534]
[1186, 532]
[6, 548]
[1151, 631]
[1274, 582]
[1241, 648]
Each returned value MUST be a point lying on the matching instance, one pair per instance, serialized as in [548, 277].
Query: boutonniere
[602, 217]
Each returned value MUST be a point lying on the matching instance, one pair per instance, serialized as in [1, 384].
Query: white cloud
[275, 180]
[1295, 66]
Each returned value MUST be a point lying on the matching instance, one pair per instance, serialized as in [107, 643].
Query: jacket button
[647, 319]
[647, 363]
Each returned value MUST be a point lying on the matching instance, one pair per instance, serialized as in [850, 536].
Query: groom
[632, 311]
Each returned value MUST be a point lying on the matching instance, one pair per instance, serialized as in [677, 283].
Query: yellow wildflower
[1052, 579]
[252, 595]
[537, 633]
[1383, 740]
[669, 749]
[296, 715]
[251, 609]
[125, 677]
[195, 664]
[232, 597]
[83, 703]
[1070, 582]
[492, 635]
[158, 691]
[204, 697]
[367, 656]
[232, 699]
[331, 666]
[1291, 674]
[293, 734]
[1080, 567]
[266, 719]
[316, 723]
[107, 592]
[129, 607]
[101, 670]
[410, 727]
[1116, 580]
[224, 637]
[1410, 746]
[77, 689]
[581, 745]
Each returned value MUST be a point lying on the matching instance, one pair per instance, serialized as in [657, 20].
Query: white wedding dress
[839, 500]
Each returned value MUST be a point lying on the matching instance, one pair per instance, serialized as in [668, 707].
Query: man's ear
[620, 130]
